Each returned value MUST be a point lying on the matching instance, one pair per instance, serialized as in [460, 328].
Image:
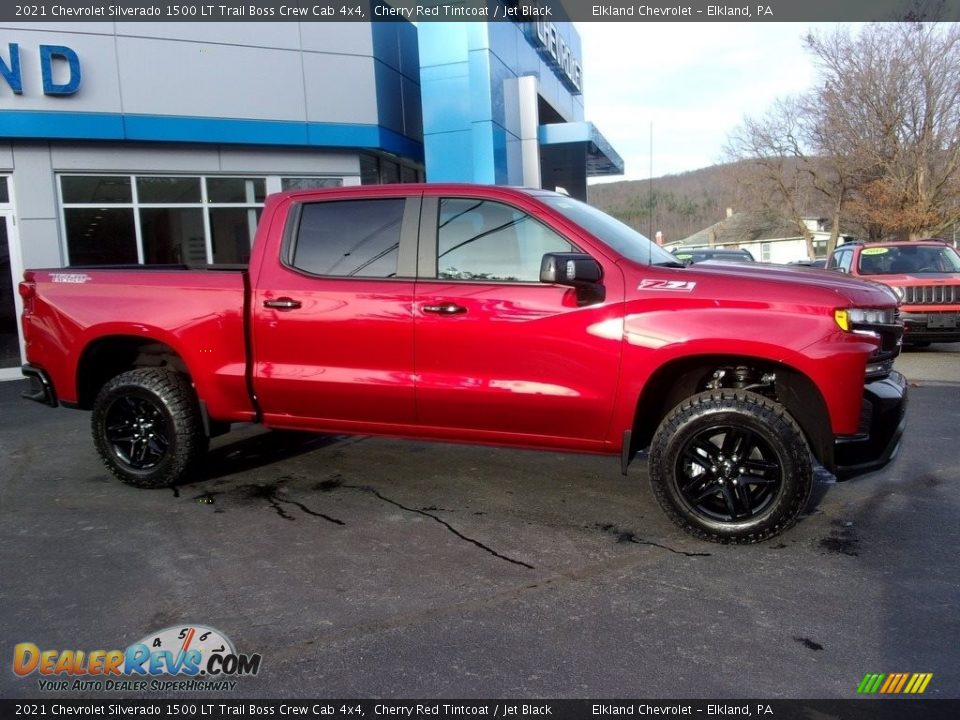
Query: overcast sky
[693, 81]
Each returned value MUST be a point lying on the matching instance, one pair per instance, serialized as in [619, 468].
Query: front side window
[484, 240]
[349, 238]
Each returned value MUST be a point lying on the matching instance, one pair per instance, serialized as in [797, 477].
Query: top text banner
[481, 11]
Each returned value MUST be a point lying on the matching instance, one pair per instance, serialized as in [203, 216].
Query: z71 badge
[675, 285]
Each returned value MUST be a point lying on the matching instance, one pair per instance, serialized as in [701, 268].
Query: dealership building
[157, 142]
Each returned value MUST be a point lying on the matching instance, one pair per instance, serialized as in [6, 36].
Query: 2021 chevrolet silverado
[488, 315]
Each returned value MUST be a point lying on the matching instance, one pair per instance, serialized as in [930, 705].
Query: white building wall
[256, 71]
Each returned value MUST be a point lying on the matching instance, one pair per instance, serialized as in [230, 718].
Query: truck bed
[197, 313]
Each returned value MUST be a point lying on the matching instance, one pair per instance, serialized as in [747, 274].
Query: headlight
[847, 318]
[898, 291]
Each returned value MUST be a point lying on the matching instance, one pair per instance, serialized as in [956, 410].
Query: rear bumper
[41, 387]
[882, 421]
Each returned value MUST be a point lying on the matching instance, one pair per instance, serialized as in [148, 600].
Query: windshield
[908, 260]
[622, 238]
[695, 256]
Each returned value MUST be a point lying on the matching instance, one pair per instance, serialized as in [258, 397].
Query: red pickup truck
[486, 315]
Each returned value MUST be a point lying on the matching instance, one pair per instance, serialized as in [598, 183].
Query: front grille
[931, 295]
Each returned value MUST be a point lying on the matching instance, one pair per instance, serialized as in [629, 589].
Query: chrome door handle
[283, 303]
[445, 309]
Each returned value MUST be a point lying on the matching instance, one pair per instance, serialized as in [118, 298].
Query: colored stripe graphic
[894, 683]
[870, 683]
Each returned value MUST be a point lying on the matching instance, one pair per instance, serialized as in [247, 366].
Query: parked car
[689, 257]
[491, 315]
[819, 263]
[925, 275]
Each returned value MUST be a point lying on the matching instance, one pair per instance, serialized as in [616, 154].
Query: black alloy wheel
[731, 466]
[147, 427]
[728, 473]
[137, 431]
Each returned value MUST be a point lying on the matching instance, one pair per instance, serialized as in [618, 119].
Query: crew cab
[925, 275]
[490, 315]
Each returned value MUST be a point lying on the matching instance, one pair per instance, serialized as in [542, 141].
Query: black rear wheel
[731, 466]
[147, 428]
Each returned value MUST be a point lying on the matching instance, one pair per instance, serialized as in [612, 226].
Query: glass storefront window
[375, 170]
[310, 183]
[101, 236]
[125, 219]
[389, 171]
[96, 189]
[168, 190]
[236, 190]
[231, 231]
[369, 170]
[173, 236]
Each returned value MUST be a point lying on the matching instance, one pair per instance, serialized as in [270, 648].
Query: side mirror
[573, 269]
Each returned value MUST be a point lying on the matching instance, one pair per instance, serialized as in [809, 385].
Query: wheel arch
[683, 377]
[106, 357]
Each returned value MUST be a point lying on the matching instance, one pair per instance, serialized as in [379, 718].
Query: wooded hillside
[682, 204]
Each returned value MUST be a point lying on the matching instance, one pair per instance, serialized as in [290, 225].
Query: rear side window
[349, 238]
[484, 240]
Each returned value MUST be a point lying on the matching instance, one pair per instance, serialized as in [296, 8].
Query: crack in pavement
[269, 493]
[625, 536]
[443, 522]
[308, 511]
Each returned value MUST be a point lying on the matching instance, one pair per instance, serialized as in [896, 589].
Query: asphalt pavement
[360, 567]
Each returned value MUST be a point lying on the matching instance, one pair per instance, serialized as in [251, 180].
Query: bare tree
[779, 174]
[890, 107]
[876, 141]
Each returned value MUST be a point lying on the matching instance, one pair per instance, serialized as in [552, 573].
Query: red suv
[925, 275]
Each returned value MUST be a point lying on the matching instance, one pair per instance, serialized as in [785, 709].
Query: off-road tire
[730, 466]
[147, 427]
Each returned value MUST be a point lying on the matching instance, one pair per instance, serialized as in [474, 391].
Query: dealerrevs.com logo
[190, 658]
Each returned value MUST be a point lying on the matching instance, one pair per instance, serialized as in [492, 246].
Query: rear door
[501, 356]
[332, 320]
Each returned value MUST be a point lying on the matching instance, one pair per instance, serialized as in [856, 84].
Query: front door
[500, 355]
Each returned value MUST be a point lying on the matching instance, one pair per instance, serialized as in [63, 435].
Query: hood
[769, 281]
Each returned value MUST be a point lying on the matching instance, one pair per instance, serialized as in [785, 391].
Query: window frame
[406, 251]
[430, 240]
[271, 184]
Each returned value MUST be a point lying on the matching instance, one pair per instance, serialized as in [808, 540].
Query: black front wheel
[147, 427]
[731, 466]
